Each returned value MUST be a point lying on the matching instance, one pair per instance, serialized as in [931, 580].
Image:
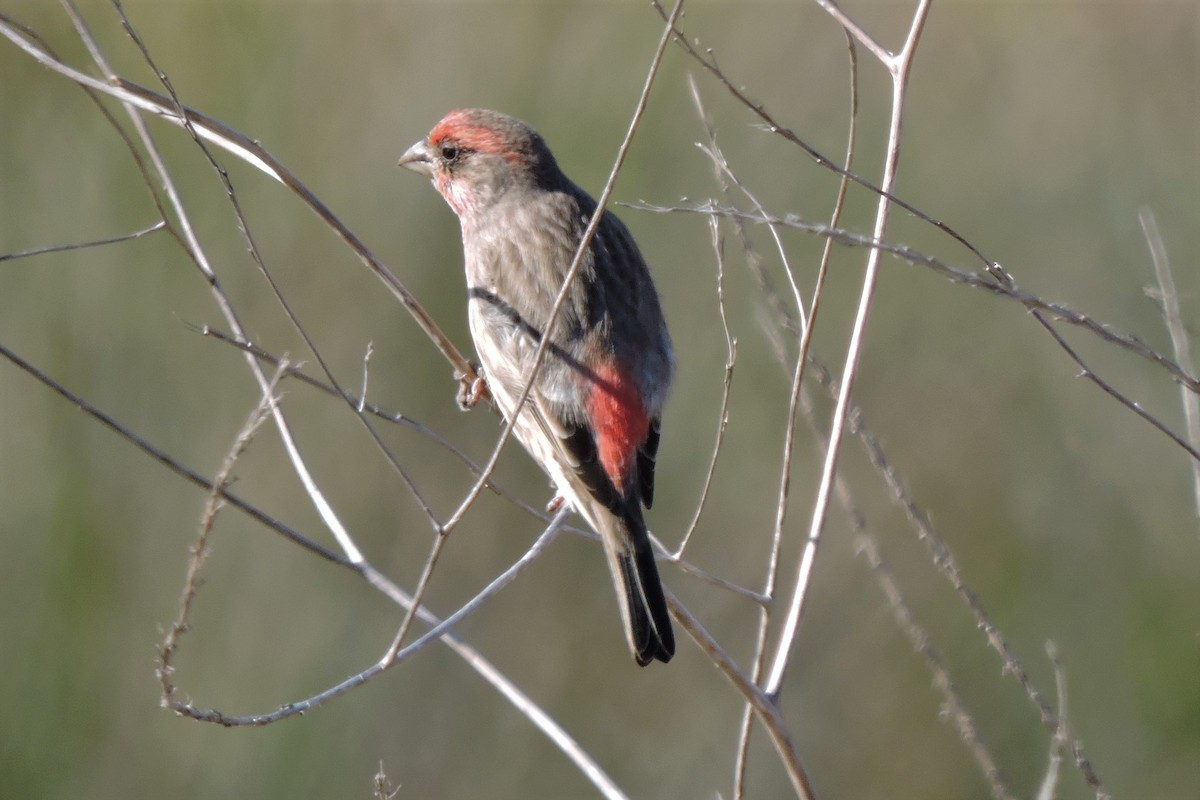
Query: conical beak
[418, 158]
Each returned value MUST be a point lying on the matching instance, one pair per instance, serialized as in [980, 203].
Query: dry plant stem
[481, 665]
[898, 66]
[723, 175]
[199, 551]
[441, 629]
[918, 638]
[767, 710]
[1058, 742]
[196, 253]
[723, 416]
[360, 406]
[944, 561]
[383, 786]
[316, 496]
[252, 153]
[730, 350]
[1169, 298]
[807, 327]
[573, 269]
[868, 546]
[435, 552]
[59, 248]
[172, 464]
[774, 126]
[991, 282]
[996, 281]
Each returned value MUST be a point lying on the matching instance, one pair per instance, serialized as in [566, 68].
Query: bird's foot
[471, 388]
[556, 503]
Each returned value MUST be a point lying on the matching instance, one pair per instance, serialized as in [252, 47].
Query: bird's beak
[418, 158]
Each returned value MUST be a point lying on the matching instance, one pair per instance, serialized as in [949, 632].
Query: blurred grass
[1037, 130]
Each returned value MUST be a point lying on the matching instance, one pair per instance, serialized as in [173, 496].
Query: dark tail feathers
[649, 621]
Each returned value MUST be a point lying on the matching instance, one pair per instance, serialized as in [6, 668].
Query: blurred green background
[1038, 130]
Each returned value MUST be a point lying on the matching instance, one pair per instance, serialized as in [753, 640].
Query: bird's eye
[449, 152]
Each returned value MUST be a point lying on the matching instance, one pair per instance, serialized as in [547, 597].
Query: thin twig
[726, 391]
[317, 497]
[1058, 742]
[919, 640]
[764, 706]
[708, 62]
[794, 398]
[898, 67]
[998, 282]
[943, 559]
[1169, 297]
[171, 463]
[252, 153]
[59, 248]
[199, 551]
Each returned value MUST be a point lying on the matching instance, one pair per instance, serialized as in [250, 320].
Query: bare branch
[1169, 297]
[1059, 741]
[919, 640]
[764, 706]
[899, 69]
[723, 415]
[59, 248]
[199, 551]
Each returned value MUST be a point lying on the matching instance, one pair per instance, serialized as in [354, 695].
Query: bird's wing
[646, 459]
[576, 446]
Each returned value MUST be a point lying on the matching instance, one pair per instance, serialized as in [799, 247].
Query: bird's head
[475, 156]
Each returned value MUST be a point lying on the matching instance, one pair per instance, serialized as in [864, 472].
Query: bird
[592, 416]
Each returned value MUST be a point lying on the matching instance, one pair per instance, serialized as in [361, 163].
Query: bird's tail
[639, 589]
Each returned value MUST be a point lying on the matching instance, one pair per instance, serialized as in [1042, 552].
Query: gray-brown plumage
[591, 419]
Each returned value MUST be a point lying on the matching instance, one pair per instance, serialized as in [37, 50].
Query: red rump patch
[619, 422]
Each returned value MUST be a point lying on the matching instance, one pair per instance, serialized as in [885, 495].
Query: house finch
[591, 418]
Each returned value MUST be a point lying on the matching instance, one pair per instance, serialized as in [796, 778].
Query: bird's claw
[556, 503]
[471, 389]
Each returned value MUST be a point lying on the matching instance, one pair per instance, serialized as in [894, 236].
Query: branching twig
[1058, 741]
[999, 282]
[252, 153]
[898, 67]
[199, 551]
[764, 706]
